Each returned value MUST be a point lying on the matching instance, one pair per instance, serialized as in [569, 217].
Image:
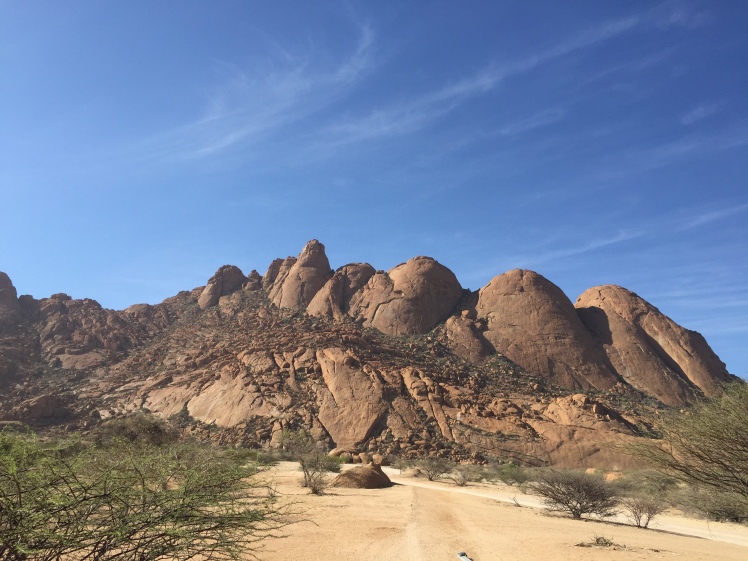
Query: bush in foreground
[707, 446]
[129, 501]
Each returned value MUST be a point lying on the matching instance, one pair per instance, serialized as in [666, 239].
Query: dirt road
[422, 521]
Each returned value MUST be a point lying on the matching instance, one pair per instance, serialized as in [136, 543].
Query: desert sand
[417, 520]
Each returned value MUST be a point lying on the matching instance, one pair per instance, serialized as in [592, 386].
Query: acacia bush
[706, 447]
[509, 474]
[462, 474]
[137, 428]
[575, 492]
[128, 502]
[434, 468]
[642, 509]
[315, 464]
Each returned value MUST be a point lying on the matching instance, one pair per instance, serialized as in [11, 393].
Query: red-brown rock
[351, 400]
[648, 349]
[410, 299]
[9, 306]
[532, 322]
[299, 279]
[465, 339]
[363, 477]
[226, 280]
[272, 273]
[333, 299]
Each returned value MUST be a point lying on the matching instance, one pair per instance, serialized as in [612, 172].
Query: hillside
[403, 362]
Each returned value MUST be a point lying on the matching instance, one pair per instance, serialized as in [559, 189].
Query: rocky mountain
[402, 362]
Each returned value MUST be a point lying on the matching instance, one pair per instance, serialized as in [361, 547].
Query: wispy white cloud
[409, 116]
[701, 111]
[542, 119]
[249, 103]
[637, 160]
[592, 245]
[405, 117]
[547, 252]
[708, 217]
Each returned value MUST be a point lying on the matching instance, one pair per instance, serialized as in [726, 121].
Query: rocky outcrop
[577, 431]
[10, 308]
[464, 337]
[648, 349]
[254, 281]
[298, 280]
[334, 298]
[41, 407]
[247, 371]
[351, 400]
[226, 280]
[532, 322]
[410, 299]
[268, 279]
[81, 334]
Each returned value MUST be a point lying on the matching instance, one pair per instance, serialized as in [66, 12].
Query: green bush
[137, 428]
[434, 468]
[509, 474]
[129, 501]
[575, 492]
[706, 447]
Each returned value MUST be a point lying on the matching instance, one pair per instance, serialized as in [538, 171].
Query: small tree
[575, 492]
[707, 445]
[434, 468]
[642, 510]
[315, 463]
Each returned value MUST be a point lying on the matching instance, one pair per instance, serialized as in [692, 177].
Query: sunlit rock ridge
[403, 362]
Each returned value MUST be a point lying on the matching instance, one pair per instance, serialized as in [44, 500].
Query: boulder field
[404, 362]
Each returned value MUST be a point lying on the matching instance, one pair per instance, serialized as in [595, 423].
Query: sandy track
[730, 533]
[422, 521]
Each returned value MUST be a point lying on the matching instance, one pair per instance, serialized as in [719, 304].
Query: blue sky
[144, 144]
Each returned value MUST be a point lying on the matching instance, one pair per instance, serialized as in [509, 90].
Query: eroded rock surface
[410, 299]
[257, 365]
[299, 279]
[351, 402]
[334, 298]
[648, 349]
[532, 322]
[226, 280]
[10, 308]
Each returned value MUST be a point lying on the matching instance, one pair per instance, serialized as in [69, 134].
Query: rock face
[410, 299]
[351, 402]
[648, 349]
[298, 280]
[532, 322]
[80, 334]
[9, 307]
[272, 273]
[334, 298]
[226, 280]
[465, 338]
[256, 365]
